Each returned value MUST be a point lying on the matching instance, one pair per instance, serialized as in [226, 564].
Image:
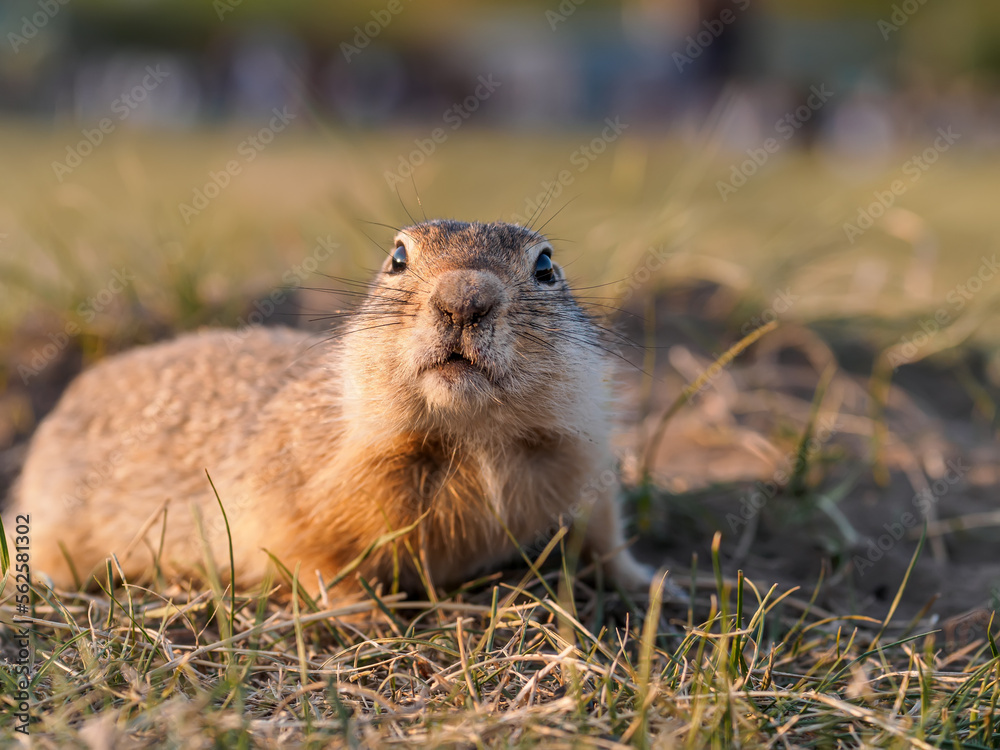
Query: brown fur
[319, 448]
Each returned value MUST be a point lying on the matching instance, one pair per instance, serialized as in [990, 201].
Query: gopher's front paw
[629, 573]
[633, 575]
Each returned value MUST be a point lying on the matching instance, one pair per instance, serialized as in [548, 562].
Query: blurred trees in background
[662, 63]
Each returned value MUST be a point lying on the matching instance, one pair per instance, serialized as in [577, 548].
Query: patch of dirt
[856, 514]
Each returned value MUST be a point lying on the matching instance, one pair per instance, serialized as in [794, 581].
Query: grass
[501, 664]
[537, 656]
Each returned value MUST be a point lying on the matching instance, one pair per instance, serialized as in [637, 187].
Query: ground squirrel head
[467, 317]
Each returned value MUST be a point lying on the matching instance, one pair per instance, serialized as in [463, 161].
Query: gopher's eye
[543, 268]
[398, 259]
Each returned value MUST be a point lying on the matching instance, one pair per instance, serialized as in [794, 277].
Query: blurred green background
[749, 137]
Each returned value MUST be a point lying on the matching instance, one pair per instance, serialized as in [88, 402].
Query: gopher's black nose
[466, 298]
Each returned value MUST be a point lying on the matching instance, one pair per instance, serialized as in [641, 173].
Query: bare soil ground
[856, 519]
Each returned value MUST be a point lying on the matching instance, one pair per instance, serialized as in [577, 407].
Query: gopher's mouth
[456, 366]
[456, 361]
[455, 377]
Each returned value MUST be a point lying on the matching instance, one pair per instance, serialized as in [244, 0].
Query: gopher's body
[438, 407]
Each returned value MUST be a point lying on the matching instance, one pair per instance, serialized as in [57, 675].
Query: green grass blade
[4, 553]
[232, 559]
[902, 586]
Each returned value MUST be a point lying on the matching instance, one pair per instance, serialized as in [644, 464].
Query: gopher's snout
[465, 299]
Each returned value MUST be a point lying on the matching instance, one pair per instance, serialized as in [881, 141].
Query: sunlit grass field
[540, 656]
[785, 226]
